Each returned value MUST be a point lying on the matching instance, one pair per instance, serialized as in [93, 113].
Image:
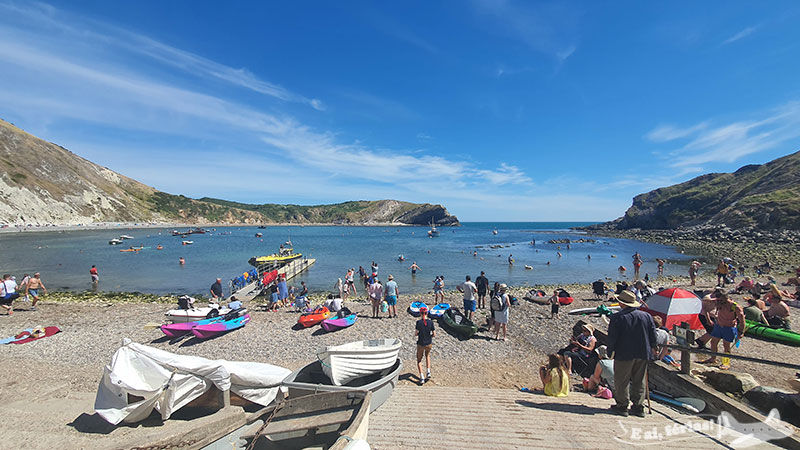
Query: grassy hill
[765, 196]
[44, 183]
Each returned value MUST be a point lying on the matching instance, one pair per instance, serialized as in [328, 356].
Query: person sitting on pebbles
[554, 376]
[753, 312]
[778, 313]
[580, 349]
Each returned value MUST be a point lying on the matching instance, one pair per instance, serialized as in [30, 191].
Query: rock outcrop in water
[43, 183]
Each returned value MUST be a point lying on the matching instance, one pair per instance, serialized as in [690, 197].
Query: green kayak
[772, 334]
[456, 321]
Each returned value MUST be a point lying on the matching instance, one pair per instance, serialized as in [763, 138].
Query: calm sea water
[64, 258]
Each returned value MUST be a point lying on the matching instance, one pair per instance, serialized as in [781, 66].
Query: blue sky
[499, 110]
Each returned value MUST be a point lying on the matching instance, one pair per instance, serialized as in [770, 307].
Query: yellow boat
[284, 255]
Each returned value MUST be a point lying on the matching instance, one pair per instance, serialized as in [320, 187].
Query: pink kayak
[339, 323]
[174, 330]
[215, 329]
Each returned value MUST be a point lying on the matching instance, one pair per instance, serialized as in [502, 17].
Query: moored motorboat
[187, 242]
[311, 379]
[115, 241]
[312, 318]
[343, 319]
[438, 310]
[125, 236]
[415, 306]
[456, 321]
[232, 321]
[344, 363]
[285, 255]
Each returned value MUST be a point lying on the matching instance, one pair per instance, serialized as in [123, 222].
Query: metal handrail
[734, 356]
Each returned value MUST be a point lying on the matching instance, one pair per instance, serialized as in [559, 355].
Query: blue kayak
[415, 306]
[438, 310]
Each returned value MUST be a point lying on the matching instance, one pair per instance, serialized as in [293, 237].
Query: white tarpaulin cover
[168, 381]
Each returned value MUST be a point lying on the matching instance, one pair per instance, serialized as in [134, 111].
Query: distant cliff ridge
[43, 183]
[755, 197]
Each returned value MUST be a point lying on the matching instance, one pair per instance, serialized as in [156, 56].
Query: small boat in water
[285, 255]
[344, 363]
[125, 236]
[311, 379]
[187, 242]
[259, 235]
[115, 241]
[159, 247]
[455, 320]
[433, 232]
[494, 232]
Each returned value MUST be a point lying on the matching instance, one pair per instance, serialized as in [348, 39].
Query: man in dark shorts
[425, 332]
[483, 287]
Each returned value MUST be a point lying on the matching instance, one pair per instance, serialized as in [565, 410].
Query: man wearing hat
[425, 331]
[631, 339]
[391, 292]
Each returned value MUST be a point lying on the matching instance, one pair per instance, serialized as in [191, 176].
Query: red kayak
[314, 317]
[565, 300]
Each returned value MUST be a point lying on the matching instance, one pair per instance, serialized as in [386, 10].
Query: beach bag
[384, 306]
[496, 304]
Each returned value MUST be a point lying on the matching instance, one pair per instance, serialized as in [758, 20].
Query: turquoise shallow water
[64, 258]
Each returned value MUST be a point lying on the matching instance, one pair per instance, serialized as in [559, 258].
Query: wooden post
[224, 398]
[685, 337]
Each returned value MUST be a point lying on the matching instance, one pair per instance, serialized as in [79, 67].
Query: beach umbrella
[675, 306]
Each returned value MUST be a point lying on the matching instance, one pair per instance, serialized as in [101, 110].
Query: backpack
[496, 304]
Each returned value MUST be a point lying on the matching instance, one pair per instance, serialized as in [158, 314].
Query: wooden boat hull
[339, 323]
[313, 421]
[311, 379]
[345, 363]
[215, 329]
[458, 323]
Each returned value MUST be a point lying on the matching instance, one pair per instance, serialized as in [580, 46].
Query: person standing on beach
[501, 314]
[660, 266]
[94, 275]
[554, 304]
[283, 290]
[362, 274]
[391, 292]
[729, 327]
[339, 286]
[722, 272]
[637, 263]
[631, 339]
[482, 283]
[414, 268]
[424, 331]
[32, 289]
[469, 290]
[350, 282]
[694, 268]
[438, 288]
[216, 290]
[23, 285]
[8, 293]
[375, 291]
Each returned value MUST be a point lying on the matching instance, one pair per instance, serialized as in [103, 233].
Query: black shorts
[706, 324]
[554, 308]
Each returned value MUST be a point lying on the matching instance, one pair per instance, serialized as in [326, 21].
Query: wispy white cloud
[64, 80]
[391, 27]
[666, 133]
[424, 136]
[546, 28]
[732, 141]
[504, 70]
[740, 35]
[103, 34]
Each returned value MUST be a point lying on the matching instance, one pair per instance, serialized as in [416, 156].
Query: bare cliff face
[43, 183]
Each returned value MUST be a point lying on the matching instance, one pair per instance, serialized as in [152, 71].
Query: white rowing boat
[344, 363]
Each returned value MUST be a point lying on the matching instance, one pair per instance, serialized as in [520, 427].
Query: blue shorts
[274, 297]
[728, 334]
[34, 293]
[391, 300]
[470, 305]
